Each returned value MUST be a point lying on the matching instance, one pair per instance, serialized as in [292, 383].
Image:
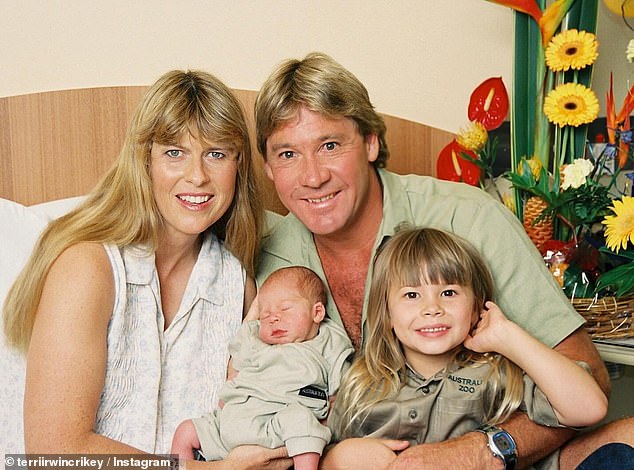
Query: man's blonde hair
[322, 85]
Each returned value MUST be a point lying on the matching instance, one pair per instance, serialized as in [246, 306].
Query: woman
[127, 304]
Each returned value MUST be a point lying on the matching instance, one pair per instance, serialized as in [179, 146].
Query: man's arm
[534, 441]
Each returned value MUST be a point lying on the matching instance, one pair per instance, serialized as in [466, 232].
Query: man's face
[322, 170]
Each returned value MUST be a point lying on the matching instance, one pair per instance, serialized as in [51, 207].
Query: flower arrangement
[562, 197]
[567, 200]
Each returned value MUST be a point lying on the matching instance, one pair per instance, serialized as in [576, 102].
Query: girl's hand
[490, 331]
[362, 452]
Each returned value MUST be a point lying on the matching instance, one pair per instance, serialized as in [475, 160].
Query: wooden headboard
[57, 144]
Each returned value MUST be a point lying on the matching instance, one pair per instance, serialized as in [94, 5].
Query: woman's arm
[66, 359]
[575, 396]
[66, 364]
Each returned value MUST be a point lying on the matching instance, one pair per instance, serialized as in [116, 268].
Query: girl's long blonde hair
[380, 371]
[121, 209]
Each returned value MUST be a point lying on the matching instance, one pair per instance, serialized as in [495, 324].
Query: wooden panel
[413, 146]
[57, 144]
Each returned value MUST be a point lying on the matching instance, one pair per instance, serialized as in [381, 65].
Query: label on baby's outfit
[311, 391]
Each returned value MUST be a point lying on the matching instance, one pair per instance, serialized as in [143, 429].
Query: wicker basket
[607, 317]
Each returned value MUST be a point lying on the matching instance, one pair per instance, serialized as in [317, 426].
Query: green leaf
[629, 254]
[620, 279]
[526, 53]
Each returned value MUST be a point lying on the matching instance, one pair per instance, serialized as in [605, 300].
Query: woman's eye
[174, 153]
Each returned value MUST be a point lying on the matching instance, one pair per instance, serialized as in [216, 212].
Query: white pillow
[20, 226]
[54, 209]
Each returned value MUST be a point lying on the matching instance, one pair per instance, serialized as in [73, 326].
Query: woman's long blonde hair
[380, 371]
[121, 209]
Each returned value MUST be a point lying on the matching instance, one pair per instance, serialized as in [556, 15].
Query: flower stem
[567, 223]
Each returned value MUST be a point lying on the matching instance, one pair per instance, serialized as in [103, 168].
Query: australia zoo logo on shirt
[466, 384]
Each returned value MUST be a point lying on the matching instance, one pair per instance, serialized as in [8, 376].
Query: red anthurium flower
[452, 167]
[489, 103]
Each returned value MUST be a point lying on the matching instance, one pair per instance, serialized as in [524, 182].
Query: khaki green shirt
[526, 290]
[447, 405]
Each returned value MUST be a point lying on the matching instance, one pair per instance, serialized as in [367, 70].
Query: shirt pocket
[453, 417]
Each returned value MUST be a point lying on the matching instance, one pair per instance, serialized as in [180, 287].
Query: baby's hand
[490, 331]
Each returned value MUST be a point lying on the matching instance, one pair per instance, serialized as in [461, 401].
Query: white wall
[613, 35]
[420, 59]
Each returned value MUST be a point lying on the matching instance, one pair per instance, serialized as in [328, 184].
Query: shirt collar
[396, 207]
[140, 268]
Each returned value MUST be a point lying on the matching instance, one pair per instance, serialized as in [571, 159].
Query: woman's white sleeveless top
[156, 377]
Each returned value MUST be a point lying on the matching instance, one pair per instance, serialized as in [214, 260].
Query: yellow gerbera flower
[473, 137]
[620, 227]
[571, 104]
[571, 49]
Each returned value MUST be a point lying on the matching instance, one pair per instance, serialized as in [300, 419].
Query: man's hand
[258, 458]
[467, 451]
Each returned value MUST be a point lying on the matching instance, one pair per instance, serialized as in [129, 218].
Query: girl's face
[193, 183]
[431, 321]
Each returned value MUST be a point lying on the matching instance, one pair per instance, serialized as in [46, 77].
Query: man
[324, 147]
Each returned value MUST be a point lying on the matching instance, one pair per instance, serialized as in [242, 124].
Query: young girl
[441, 359]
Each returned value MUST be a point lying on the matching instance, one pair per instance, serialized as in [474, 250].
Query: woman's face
[193, 183]
[431, 321]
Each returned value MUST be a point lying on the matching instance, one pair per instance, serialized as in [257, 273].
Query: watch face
[503, 443]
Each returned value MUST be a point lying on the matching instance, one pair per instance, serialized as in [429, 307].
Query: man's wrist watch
[501, 444]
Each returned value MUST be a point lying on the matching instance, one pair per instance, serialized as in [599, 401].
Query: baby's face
[285, 315]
